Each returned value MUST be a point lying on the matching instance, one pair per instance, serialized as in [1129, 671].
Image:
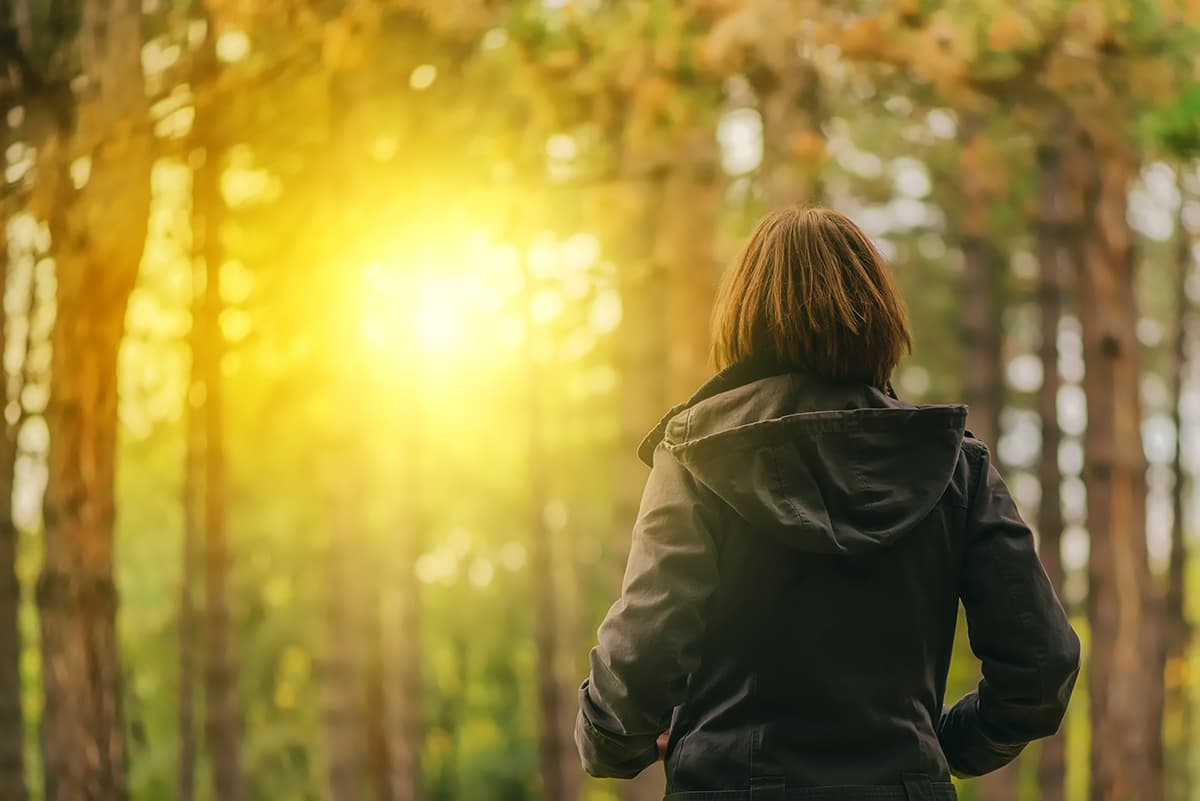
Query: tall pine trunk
[686, 248]
[1052, 247]
[982, 326]
[402, 651]
[558, 765]
[982, 321]
[1178, 629]
[223, 719]
[789, 99]
[642, 396]
[193, 527]
[97, 248]
[1126, 667]
[12, 721]
[345, 734]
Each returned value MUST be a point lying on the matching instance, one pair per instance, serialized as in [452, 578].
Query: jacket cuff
[968, 749]
[607, 754]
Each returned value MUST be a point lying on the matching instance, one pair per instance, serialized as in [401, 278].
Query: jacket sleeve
[649, 641]
[1018, 630]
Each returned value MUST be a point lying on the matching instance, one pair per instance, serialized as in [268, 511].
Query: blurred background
[331, 328]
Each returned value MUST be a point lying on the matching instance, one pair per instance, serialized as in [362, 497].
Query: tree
[12, 722]
[223, 721]
[97, 246]
[1178, 627]
[1126, 695]
[1053, 237]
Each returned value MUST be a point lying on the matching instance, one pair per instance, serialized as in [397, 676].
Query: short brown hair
[811, 289]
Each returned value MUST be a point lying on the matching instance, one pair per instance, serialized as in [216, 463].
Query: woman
[786, 618]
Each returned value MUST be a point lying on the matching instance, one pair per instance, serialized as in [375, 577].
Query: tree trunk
[1126, 670]
[557, 763]
[982, 311]
[686, 247]
[12, 721]
[223, 723]
[402, 644]
[1051, 250]
[379, 766]
[641, 353]
[97, 247]
[345, 740]
[193, 526]
[982, 326]
[1178, 629]
[789, 99]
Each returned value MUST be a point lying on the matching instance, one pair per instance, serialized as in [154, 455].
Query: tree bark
[223, 718]
[1126, 668]
[379, 767]
[402, 645]
[982, 310]
[345, 734]
[685, 246]
[789, 94]
[642, 396]
[982, 326]
[12, 721]
[1051, 230]
[97, 247]
[193, 527]
[1178, 629]
[558, 766]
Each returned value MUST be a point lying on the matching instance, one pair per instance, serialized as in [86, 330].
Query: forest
[331, 328]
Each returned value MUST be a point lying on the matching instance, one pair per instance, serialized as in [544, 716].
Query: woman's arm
[649, 641]
[1017, 628]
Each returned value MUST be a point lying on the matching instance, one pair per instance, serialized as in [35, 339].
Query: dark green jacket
[791, 595]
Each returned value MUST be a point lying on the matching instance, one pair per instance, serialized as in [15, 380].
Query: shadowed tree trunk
[223, 719]
[12, 721]
[97, 247]
[982, 326]
[1178, 629]
[982, 320]
[1052, 248]
[789, 97]
[1126, 666]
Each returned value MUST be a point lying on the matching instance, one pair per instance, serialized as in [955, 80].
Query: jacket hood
[824, 467]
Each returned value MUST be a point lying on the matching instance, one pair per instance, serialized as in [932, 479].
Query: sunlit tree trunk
[193, 527]
[343, 675]
[1051, 231]
[402, 648]
[1127, 653]
[223, 715]
[558, 764]
[12, 722]
[97, 247]
[374, 718]
[1178, 629]
[686, 246]
[642, 388]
